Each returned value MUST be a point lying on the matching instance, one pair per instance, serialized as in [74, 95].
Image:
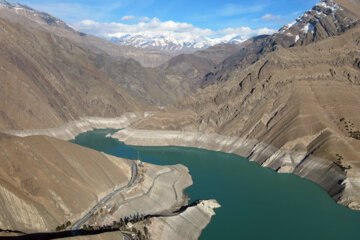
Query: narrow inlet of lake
[257, 203]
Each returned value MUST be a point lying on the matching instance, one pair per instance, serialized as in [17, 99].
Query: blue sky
[215, 15]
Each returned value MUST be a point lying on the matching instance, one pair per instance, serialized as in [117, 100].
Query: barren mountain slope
[183, 74]
[219, 52]
[178, 77]
[47, 81]
[302, 99]
[24, 15]
[187, 70]
[326, 19]
[175, 78]
[148, 84]
[46, 182]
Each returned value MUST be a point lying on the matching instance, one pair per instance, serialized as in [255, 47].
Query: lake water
[257, 203]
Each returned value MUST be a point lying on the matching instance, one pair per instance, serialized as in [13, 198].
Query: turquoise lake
[257, 203]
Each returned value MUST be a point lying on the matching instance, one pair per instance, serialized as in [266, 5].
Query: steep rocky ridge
[24, 15]
[250, 51]
[291, 111]
[326, 19]
[47, 81]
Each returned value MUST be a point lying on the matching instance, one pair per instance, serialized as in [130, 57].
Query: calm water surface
[257, 203]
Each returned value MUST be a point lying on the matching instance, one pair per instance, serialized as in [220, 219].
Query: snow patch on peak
[307, 28]
[306, 22]
[328, 4]
[288, 26]
[297, 38]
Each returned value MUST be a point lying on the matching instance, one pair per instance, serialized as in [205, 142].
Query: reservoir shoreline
[71, 129]
[166, 227]
[332, 178]
[251, 196]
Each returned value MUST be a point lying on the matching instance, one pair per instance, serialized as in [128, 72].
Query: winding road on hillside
[83, 220]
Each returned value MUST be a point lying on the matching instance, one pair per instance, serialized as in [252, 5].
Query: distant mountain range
[172, 45]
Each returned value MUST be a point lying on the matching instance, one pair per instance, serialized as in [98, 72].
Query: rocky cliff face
[326, 19]
[293, 100]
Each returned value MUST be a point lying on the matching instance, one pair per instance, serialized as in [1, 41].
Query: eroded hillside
[301, 99]
[47, 81]
[46, 182]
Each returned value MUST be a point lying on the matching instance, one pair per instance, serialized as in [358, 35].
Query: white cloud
[125, 18]
[270, 17]
[179, 31]
[144, 19]
[265, 31]
[246, 31]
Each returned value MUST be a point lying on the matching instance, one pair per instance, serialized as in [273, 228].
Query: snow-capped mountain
[324, 20]
[170, 44]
